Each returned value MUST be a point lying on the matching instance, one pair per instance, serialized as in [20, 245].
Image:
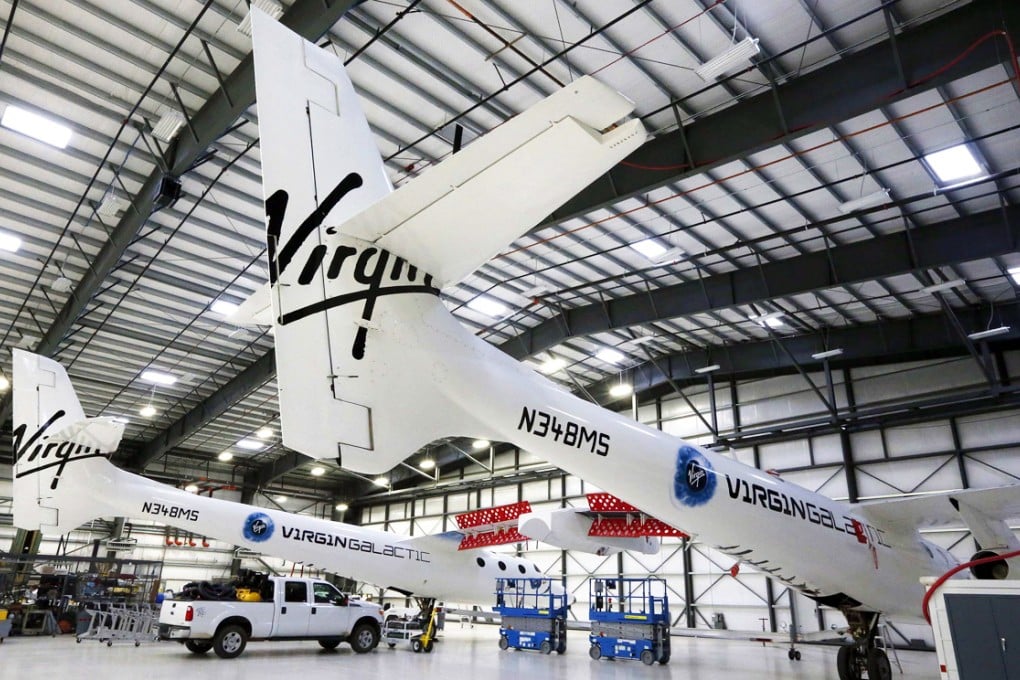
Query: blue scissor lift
[629, 619]
[533, 616]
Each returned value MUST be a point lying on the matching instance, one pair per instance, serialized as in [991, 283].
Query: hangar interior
[784, 272]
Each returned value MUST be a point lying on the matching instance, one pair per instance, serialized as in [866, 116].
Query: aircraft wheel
[504, 644]
[647, 658]
[595, 652]
[848, 662]
[878, 665]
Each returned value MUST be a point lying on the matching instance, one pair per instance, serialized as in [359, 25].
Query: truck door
[294, 610]
[330, 615]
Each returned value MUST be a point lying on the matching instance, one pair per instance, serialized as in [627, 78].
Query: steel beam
[309, 18]
[208, 410]
[898, 340]
[988, 234]
[854, 84]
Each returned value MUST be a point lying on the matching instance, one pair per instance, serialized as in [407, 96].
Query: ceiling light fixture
[708, 369]
[381, 481]
[828, 354]
[223, 307]
[480, 444]
[552, 365]
[642, 339]
[1014, 273]
[990, 333]
[5, 384]
[880, 197]
[111, 206]
[10, 242]
[270, 7]
[158, 377]
[953, 164]
[488, 307]
[610, 355]
[670, 256]
[621, 390]
[225, 456]
[250, 445]
[168, 125]
[191, 488]
[650, 248]
[264, 433]
[771, 319]
[945, 285]
[36, 126]
[735, 56]
[342, 507]
[427, 464]
[120, 419]
[147, 411]
[281, 499]
[318, 471]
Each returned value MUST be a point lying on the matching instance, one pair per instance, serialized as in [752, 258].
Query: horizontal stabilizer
[459, 214]
[617, 518]
[983, 511]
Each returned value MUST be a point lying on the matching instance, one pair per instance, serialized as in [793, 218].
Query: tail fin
[51, 437]
[362, 340]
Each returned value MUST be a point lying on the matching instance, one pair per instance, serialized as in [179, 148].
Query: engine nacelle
[568, 528]
[990, 571]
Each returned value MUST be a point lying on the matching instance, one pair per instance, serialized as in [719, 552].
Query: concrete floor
[460, 653]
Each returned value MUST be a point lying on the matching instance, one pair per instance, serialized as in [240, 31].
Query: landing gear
[794, 654]
[861, 658]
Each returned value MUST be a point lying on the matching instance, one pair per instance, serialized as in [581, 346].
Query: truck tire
[364, 637]
[198, 646]
[230, 641]
[329, 643]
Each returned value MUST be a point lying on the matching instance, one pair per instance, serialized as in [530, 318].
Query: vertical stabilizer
[51, 438]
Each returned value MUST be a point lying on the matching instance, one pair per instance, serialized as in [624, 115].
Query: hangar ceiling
[792, 195]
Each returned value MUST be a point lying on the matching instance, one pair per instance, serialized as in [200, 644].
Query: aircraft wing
[457, 216]
[983, 511]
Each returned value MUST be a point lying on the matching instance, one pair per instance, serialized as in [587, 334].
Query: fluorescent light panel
[990, 333]
[870, 201]
[36, 126]
[650, 248]
[270, 7]
[708, 369]
[111, 206]
[223, 307]
[621, 390]
[488, 307]
[828, 354]
[735, 56]
[9, 242]
[945, 285]
[250, 445]
[158, 377]
[1014, 272]
[480, 444]
[609, 355]
[954, 164]
[318, 471]
[225, 456]
[381, 481]
[342, 507]
[427, 464]
[552, 365]
[771, 319]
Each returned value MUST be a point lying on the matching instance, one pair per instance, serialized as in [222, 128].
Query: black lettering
[758, 491]
[287, 531]
[775, 501]
[587, 437]
[797, 507]
[812, 514]
[147, 507]
[733, 488]
[543, 424]
[827, 519]
[527, 421]
[603, 448]
[312, 265]
[336, 264]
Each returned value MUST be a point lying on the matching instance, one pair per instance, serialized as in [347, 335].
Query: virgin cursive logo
[38, 454]
[371, 266]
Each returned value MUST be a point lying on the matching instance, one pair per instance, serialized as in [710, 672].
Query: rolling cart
[629, 619]
[533, 616]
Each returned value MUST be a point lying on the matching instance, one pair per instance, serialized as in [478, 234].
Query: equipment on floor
[419, 632]
[534, 614]
[629, 619]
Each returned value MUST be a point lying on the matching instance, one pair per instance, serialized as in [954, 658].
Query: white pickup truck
[291, 609]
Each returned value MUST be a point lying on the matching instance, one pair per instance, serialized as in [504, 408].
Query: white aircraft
[62, 479]
[371, 366]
